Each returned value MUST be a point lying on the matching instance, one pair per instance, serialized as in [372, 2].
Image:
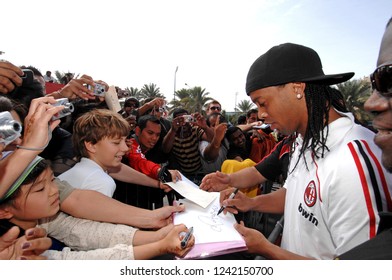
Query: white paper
[111, 99]
[191, 191]
[207, 226]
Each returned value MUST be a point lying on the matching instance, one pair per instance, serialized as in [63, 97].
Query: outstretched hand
[215, 182]
[164, 215]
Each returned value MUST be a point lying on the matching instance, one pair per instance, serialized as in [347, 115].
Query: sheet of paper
[191, 191]
[207, 226]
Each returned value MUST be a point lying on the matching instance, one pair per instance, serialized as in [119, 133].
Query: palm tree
[151, 91]
[244, 106]
[355, 93]
[182, 95]
[134, 92]
[198, 98]
[193, 99]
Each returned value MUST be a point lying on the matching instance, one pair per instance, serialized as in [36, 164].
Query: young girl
[33, 200]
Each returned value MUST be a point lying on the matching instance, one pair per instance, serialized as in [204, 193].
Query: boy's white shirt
[88, 175]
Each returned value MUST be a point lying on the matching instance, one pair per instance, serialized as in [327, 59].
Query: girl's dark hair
[319, 100]
[30, 179]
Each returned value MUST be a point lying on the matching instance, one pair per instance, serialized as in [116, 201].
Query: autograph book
[214, 235]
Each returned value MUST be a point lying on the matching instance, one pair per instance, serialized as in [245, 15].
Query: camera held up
[68, 108]
[98, 89]
[9, 128]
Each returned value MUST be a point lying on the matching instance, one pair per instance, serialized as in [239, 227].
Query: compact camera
[188, 118]
[98, 89]
[28, 77]
[9, 128]
[68, 108]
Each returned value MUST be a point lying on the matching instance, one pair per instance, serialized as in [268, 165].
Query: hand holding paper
[191, 191]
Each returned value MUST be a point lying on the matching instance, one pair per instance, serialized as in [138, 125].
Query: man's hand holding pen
[232, 195]
[238, 202]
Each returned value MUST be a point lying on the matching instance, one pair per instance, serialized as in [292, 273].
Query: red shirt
[137, 160]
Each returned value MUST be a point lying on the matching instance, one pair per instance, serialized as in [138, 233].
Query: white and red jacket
[333, 205]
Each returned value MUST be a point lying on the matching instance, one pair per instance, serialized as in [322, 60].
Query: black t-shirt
[277, 163]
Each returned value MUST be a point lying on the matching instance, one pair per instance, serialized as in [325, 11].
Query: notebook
[214, 235]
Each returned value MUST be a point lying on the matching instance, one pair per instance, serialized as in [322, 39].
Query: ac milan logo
[310, 195]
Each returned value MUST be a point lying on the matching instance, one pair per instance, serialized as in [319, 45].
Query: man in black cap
[335, 184]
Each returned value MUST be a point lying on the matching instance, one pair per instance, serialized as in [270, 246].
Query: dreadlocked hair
[319, 100]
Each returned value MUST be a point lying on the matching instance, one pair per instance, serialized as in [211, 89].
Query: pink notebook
[214, 235]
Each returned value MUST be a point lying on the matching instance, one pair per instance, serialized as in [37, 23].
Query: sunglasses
[381, 80]
[215, 108]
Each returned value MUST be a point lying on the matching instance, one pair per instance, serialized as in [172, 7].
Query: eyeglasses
[215, 108]
[381, 80]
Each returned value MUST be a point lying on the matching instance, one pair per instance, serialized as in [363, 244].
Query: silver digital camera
[98, 89]
[9, 128]
[68, 108]
[188, 118]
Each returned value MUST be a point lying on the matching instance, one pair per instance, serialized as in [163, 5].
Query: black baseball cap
[288, 63]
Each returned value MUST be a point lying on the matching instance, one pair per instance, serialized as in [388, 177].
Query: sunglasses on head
[215, 108]
[381, 80]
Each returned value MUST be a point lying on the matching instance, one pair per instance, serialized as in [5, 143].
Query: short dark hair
[142, 122]
[131, 100]
[179, 111]
[230, 130]
[250, 112]
[241, 119]
[34, 69]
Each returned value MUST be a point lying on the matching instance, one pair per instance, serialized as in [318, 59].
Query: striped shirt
[186, 151]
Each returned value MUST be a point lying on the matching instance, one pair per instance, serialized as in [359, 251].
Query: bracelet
[37, 149]
[30, 149]
[159, 184]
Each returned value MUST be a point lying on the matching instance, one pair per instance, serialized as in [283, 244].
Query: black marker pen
[184, 242]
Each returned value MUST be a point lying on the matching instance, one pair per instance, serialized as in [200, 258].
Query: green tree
[198, 98]
[355, 93]
[244, 106]
[182, 95]
[134, 92]
[151, 91]
[193, 99]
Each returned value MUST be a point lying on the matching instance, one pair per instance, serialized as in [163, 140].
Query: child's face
[108, 152]
[39, 199]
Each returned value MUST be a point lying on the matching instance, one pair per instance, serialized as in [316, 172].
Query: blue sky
[213, 42]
